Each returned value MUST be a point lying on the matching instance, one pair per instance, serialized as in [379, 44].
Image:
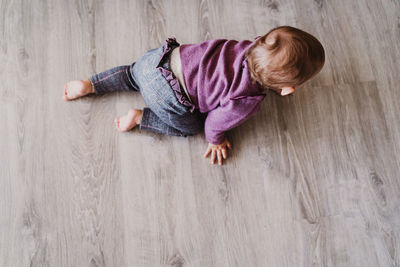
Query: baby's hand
[218, 150]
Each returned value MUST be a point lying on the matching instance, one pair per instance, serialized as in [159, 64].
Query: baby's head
[284, 59]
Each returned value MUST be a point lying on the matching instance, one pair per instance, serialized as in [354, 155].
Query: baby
[212, 86]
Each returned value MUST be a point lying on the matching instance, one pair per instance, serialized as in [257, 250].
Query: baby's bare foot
[128, 121]
[77, 88]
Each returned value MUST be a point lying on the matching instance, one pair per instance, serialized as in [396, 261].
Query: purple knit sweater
[218, 81]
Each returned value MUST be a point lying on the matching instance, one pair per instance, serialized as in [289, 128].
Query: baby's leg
[112, 80]
[151, 122]
[172, 123]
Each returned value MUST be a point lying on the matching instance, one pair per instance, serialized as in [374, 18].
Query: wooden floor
[313, 180]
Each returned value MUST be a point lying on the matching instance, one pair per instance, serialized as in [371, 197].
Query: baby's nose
[287, 91]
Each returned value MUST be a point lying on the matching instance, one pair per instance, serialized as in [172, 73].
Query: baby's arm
[224, 118]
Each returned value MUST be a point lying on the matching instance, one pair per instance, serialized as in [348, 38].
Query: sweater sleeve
[230, 115]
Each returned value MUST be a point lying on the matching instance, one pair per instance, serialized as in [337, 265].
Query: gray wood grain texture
[313, 180]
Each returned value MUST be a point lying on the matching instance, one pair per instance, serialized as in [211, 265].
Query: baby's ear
[287, 91]
[272, 40]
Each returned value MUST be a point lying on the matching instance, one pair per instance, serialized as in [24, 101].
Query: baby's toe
[66, 92]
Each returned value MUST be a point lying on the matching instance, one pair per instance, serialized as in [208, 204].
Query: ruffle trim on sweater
[168, 46]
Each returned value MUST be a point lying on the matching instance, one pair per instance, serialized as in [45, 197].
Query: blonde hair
[285, 56]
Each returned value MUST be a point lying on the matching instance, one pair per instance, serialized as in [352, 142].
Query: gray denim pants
[164, 114]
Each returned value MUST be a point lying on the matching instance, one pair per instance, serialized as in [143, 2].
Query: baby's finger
[219, 157]
[224, 154]
[207, 153]
[213, 156]
[229, 145]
